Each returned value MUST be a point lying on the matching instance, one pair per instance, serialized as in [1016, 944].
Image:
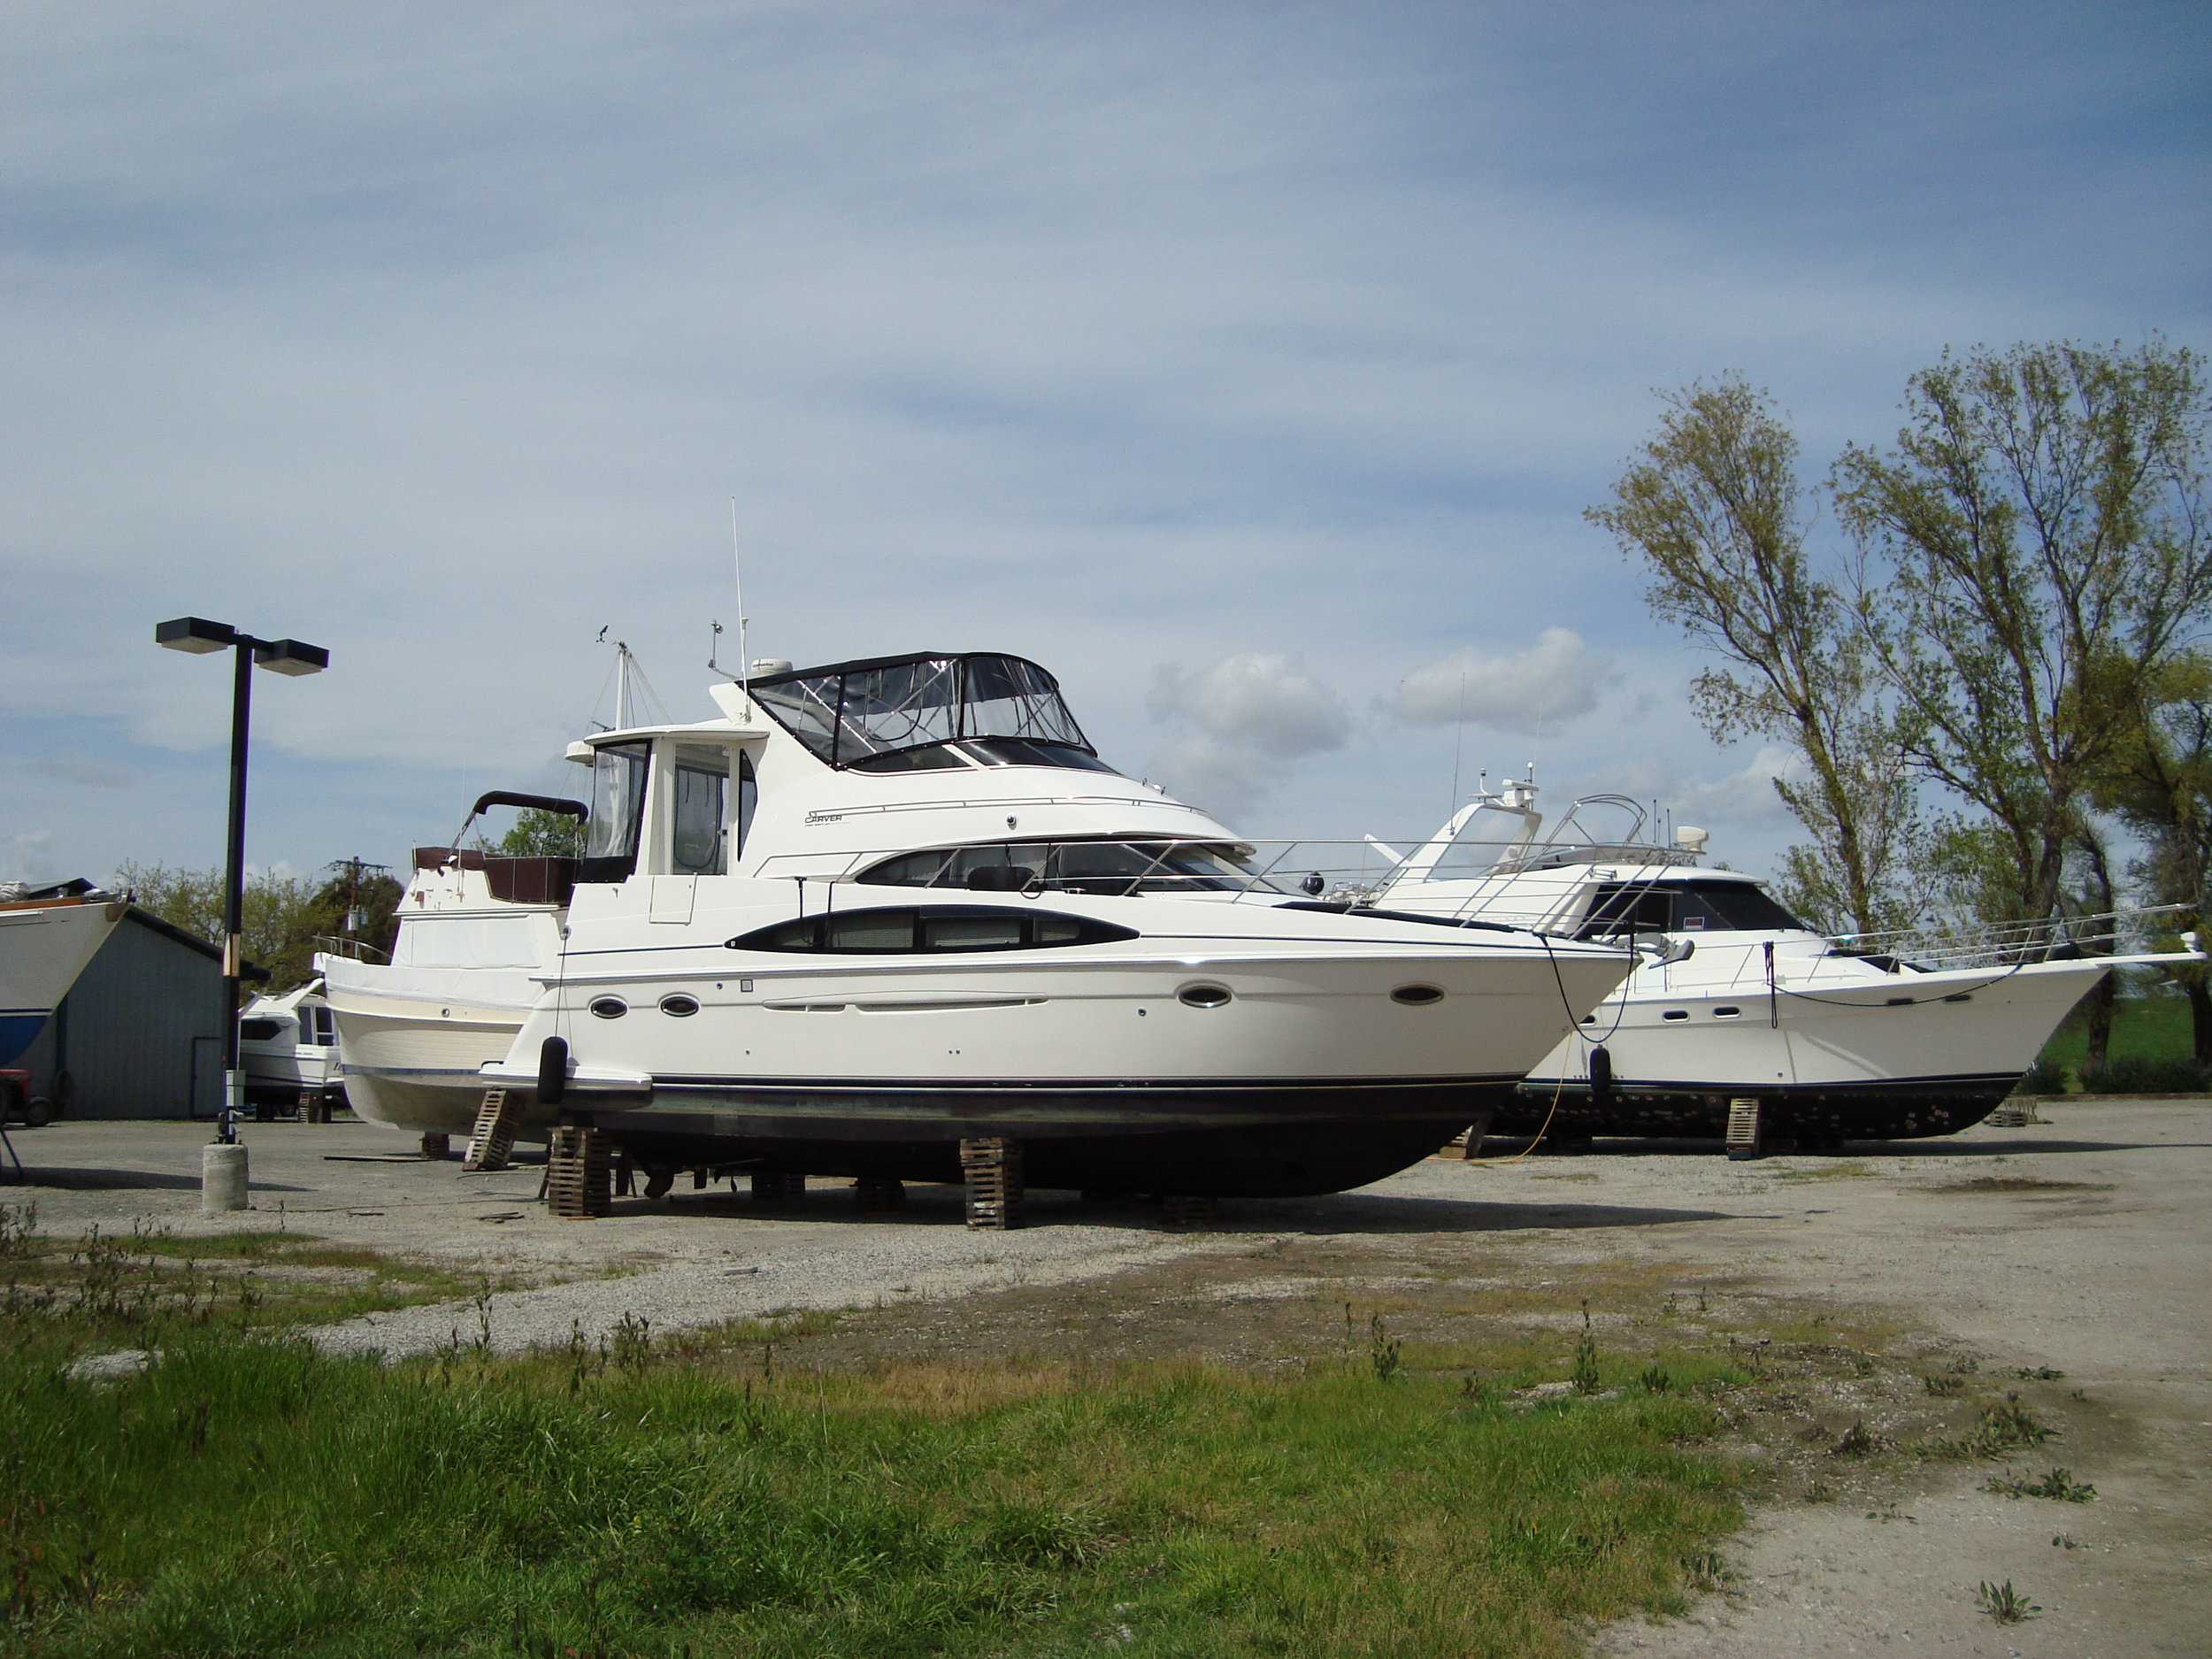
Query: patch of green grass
[245, 1495]
[2143, 1028]
[140, 1288]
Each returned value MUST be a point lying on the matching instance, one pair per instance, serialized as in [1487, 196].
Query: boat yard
[2075, 1247]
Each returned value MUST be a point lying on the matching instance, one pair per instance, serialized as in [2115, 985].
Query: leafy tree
[2040, 544]
[285, 918]
[1713, 507]
[541, 835]
[2162, 788]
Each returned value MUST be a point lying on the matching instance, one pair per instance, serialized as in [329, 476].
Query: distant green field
[2143, 1028]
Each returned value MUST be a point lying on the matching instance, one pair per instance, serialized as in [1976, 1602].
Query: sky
[1251, 367]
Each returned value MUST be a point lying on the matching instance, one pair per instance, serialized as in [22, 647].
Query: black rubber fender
[552, 1071]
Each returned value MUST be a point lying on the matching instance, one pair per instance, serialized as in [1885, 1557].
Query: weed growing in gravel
[2059, 1484]
[2004, 1425]
[2005, 1604]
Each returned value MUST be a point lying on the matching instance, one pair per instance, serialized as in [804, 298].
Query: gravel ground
[2083, 1245]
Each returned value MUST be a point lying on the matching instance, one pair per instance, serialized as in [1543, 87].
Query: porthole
[609, 1007]
[1726, 1013]
[1416, 995]
[1203, 995]
[679, 1006]
[1676, 1013]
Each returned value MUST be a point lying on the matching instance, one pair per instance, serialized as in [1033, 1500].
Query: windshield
[1707, 907]
[1116, 869]
[617, 803]
[851, 713]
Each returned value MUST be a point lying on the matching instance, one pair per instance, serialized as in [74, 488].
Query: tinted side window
[1628, 910]
[1733, 907]
[930, 928]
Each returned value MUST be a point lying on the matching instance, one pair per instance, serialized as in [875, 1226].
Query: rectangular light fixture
[291, 656]
[196, 634]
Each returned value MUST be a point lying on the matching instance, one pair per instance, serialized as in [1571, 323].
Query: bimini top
[908, 713]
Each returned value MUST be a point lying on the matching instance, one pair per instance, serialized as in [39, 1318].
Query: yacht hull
[412, 1043]
[1914, 1055]
[1306, 1075]
[1265, 1139]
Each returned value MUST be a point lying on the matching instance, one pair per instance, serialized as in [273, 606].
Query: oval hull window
[1203, 995]
[1416, 995]
[679, 1006]
[609, 1007]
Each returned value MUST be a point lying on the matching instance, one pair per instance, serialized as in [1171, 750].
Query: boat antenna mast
[737, 566]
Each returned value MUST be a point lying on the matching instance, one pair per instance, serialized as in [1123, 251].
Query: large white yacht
[1733, 999]
[881, 906]
[47, 936]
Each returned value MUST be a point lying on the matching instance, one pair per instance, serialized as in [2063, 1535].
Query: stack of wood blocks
[992, 1166]
[577, 1174]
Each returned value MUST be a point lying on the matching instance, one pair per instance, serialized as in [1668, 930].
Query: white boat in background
[1733, 1000]
[881, 906]
[287, 1048]
[48, 934]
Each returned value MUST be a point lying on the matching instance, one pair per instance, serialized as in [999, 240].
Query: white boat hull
[412, 1044]
[44, 945]
[1916, 1054]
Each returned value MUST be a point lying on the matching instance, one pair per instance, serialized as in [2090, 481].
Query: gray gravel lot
[2083, 1245]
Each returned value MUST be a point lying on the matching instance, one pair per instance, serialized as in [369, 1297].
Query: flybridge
[927, 711]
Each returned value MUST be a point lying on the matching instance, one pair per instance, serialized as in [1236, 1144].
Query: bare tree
[1713, 505]
[2040, 528]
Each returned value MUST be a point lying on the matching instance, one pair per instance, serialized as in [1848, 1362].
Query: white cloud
[28, 856]
[1243, 723]
[1543, 687]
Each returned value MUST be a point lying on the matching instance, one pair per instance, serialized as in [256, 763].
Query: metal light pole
[284, 657]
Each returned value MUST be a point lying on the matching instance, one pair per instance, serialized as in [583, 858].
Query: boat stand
[1743, 1131]
[776, 1186]
[875, 1197]
[578, 1174]
[491, 1147]
[992, 1168]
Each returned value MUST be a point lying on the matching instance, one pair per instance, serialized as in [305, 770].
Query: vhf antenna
[737, 563]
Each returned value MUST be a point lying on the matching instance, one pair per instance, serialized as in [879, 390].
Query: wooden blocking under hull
[577, 1174]
[775, 1186]
[1743, 1127]
[436, 1148]
[992, 1169]
[492, 1144]
[1185, 1209]
[873, 1196]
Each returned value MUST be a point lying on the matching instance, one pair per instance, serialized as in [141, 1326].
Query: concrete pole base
[222, 1177]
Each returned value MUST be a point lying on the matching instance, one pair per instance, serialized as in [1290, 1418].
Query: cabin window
[260, 1030]
[1116, 869]
[908, 929]
[618, 810]
[701, 812]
